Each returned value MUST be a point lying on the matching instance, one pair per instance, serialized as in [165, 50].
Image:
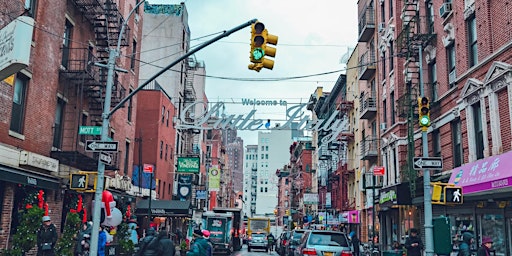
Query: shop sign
[39, 161]
[188, 164]
[119, 182]
[310, 198]
[15, 45]
[388, 196]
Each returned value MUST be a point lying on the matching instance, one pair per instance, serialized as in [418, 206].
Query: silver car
[258, 241]
[324, 243]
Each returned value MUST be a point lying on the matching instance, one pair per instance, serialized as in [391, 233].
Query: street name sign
[101, 146]
[430, 163]
[89, 130]
[106, 158]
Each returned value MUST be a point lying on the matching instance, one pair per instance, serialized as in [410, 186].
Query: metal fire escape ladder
[190, 97]
[415, 33]
[106, 21]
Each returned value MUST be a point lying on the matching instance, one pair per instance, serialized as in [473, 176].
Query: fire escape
[192, 135]
[342, 202]
[88, 82]
[416, 31]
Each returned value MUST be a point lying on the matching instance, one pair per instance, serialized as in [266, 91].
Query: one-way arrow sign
[96, 146]
[431, 163]
[106, 158]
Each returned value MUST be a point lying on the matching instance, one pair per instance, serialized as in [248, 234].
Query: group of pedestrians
[156, 243]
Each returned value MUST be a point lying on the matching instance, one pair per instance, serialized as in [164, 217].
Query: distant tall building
[235, 151]
[250, 179]
[273, 153]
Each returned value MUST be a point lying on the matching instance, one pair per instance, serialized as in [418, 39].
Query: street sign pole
[108, 111]
[427, 199]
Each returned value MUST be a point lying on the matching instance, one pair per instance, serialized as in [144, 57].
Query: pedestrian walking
[485, 249]
[209, 249]
[355, 242]
[166, 244]
[46, 238]
[82, 240]
[413, 243]
[270, 240]
[102, 241]
[150, 245]
[465, 246]
[199, 245]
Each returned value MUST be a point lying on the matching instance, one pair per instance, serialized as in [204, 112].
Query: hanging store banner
[328, 200]
[310, 198]
[201, 194]
[214, 178]
[184, 186]
[188, 164]
[15, 45]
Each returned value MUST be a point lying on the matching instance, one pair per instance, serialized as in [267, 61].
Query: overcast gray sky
[313, 37]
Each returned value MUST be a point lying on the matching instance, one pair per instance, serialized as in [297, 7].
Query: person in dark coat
[150, 246]
[485, 249]
[83, 238]
[200, 246]
[355, 242]
[413, 243]
[102, 241]
[465, 245]
[46, 238]
[166, 244]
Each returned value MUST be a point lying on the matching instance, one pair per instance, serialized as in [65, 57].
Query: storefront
[395, 214]
[486, 208]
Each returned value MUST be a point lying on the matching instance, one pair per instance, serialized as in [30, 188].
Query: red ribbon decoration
[40, 199]
[84, 219]
[79, 205]
[45, 209]
[128, 211]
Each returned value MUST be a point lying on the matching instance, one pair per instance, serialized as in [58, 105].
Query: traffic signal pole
[107, 112]
[427, 200]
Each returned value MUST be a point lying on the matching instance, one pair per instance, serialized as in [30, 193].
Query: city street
[244, 252]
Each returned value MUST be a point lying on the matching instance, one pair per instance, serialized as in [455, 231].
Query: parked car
[259, 241]
[324, 242]
[294, 240]
[282, 241]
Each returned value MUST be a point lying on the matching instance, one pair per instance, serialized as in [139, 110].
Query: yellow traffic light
[287, 212]
[275, 211]
[259, 48]
[424, 112]
[436, 192]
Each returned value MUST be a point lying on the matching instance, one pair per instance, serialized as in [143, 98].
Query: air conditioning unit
[383, 126]
[382, 26]
[445, 9]
[452, 77]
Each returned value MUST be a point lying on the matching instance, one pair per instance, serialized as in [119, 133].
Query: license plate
[328, 253]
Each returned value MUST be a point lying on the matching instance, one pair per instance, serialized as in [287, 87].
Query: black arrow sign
[106, 146]
[431, 163]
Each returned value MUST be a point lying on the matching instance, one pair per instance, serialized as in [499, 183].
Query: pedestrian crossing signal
[78, 181]
[453, 195]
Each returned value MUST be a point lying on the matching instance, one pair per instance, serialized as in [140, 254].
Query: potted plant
[183, 248]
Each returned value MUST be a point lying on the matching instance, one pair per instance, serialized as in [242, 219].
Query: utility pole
[427, 200]
[107, 111]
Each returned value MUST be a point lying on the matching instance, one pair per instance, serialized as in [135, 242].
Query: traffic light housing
[287, 213]
[424, 112]
[453, 195]
[437, 191]
[260, 49]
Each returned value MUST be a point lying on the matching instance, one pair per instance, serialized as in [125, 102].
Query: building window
[430, 16]
[390, 9]
[130, 107]
[166, 151]
[383, 66]
[58, 124]
[167, 119]
[134, 54]
[456, 143]
[31, 7]
[479, 134]
[436, 143]
[126, 158]
[472, 41]
[266, 189]
[382, 12]
[450, 53]
[391, 56]
[432, 73]
[161, 149]
[83, 123]
[163, 114]
[392, 107]
[19, 103]
[384, 111]
[66, 43]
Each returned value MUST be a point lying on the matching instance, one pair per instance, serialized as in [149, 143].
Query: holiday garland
[66, 243]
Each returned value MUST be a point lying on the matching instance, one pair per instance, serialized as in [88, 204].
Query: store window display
[493, 225]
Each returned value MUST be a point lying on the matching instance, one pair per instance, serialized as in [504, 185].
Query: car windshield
[258, 236]
[330, 239]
